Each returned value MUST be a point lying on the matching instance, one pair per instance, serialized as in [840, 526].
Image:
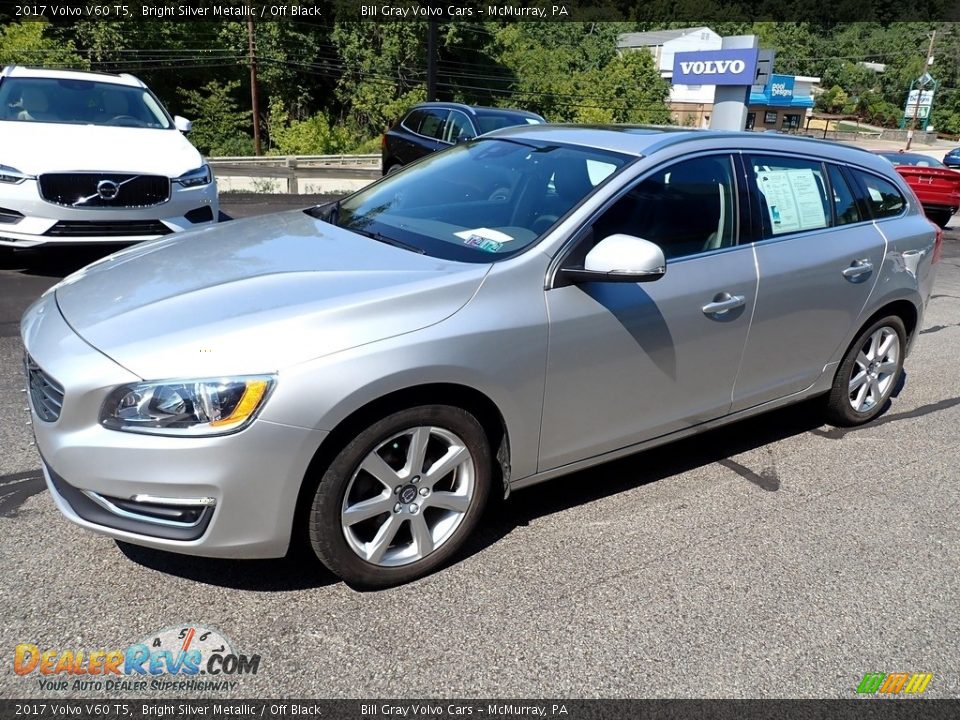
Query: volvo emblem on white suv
[107, 189]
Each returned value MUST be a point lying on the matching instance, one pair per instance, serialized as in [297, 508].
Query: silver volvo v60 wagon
[362, 375]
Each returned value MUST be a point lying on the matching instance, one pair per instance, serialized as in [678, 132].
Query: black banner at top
[682, 12]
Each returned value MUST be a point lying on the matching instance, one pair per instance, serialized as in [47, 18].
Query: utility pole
[432, 61]
[920, 86]
[254, 98]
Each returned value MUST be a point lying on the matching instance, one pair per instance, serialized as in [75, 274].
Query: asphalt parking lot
[777, 557]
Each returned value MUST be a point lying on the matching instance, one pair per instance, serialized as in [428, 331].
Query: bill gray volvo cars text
[359, 377]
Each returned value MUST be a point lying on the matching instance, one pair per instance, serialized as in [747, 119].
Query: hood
[35, 148]
[255, 295]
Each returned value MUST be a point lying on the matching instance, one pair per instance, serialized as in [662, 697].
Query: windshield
[80, 102]
[478, 201]
[912, 159]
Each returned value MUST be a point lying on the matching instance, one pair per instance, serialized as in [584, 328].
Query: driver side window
[686, 208]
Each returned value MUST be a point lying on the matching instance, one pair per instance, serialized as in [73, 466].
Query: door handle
[858, 268]
[723, 302]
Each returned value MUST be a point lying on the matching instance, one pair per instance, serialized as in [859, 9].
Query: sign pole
[916, 110]
[730, 101]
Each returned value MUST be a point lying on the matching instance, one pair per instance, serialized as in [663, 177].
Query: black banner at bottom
[865, 709]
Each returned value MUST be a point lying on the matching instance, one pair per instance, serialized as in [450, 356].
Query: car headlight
[214, 406]
[195, 178]
[12, 175]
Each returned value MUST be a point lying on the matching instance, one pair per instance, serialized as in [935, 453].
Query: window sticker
[793, 199]
[481, 243]
[484, 234]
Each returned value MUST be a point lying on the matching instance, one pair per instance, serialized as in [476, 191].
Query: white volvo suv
[90, 157]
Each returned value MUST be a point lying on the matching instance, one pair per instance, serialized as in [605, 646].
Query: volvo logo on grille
[107, 189]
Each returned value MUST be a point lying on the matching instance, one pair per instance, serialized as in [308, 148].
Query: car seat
[35, 104]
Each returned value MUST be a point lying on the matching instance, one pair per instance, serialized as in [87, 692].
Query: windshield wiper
[380, 237]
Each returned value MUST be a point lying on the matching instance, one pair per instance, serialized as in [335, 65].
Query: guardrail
[299, 167]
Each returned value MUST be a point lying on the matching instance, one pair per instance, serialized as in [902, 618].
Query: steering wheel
[125, 120]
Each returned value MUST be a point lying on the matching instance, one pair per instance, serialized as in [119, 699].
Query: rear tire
[402, 497]
[868, 373]
[940, 217]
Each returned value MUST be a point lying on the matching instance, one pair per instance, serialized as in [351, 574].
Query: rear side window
[792, 193]
[883, 197]
[844, 203]
[458, 125]
[413, 120]
[432, 125]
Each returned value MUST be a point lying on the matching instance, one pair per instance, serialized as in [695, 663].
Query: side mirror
[182, 124]
[462, 139]
[620, 258]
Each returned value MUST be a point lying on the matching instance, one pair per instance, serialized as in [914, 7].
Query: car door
[819, 258]
[424, 128]
[631, 361]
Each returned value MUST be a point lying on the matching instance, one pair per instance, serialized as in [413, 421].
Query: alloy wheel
[874, 370]
[408, 496]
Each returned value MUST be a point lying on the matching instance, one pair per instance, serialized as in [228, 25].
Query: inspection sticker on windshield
[484, 238]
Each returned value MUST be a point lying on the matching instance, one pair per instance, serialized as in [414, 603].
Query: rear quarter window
[882, 196]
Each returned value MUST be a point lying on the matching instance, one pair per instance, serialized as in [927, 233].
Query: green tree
[218, 123]
[834, 101]
[315, 135]
[628, 89]
[382, 71]
[32, 43]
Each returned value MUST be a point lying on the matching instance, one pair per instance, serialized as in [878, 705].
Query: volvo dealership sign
[715, 67]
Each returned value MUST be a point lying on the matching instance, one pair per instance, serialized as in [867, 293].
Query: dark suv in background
[433, 126]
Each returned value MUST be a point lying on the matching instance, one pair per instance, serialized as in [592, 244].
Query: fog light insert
[200, 215]
[10, 217]
[177, 512]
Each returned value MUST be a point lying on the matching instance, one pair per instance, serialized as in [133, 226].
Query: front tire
[868, 373]
[402, 497]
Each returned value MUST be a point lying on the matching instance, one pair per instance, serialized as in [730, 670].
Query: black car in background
[433, 126]
[952, 158]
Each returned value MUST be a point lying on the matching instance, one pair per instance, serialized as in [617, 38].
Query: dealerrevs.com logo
[186, 657]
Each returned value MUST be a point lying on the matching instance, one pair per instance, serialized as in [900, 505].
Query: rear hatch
[934, 186]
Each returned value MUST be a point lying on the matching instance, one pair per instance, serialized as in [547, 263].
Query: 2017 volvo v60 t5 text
[361, 376]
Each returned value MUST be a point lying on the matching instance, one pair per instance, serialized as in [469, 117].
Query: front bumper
[42, 222]
[249, 481]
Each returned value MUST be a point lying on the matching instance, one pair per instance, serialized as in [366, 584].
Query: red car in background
[937, 187]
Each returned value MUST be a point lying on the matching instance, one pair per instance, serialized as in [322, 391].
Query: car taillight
[937, 245]
[383, 141]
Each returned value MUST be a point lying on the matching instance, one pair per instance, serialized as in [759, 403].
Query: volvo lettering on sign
[715, 67]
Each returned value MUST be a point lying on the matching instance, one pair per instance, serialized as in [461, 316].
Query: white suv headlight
[195, 178]
[214, 406]
[12, 175]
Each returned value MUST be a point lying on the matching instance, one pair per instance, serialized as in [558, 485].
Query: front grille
[107, 228]
[99, 190]
[46, 395]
